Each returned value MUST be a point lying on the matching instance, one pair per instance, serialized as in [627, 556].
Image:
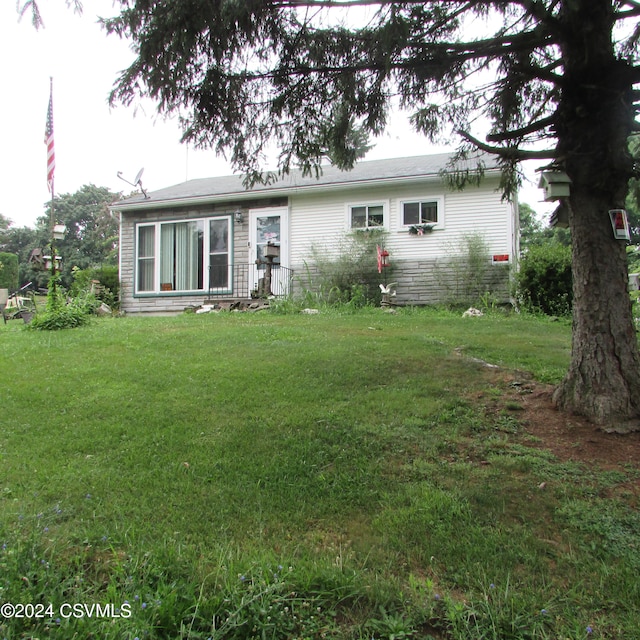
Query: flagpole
[53, 240]
[49, 140]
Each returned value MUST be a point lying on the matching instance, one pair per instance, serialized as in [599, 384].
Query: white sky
[94, 142]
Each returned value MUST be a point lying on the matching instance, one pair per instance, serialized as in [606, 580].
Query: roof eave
[236, 196]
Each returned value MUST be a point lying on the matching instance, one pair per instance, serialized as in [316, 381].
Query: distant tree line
[90, 242]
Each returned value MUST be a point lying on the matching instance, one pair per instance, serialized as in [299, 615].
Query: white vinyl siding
[320, 221]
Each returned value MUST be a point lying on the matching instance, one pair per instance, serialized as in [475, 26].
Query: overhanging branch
[631, 13]
[538, 125]
[508, 153]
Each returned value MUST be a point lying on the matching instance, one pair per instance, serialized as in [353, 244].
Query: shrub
[350, 274]
[468, 276]
[67, 317]
[544, 280]
[59, 314]
[108, 278]
[633, 258]
[8, 271]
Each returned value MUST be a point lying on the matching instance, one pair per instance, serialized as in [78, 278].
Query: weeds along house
[211, 239]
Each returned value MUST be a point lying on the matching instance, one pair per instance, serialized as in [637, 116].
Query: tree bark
[595, 119]
[603, 380]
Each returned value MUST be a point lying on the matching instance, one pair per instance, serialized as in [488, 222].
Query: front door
[269, 226]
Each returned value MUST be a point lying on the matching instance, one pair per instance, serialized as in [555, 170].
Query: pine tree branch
[625, 15]
[496, 46]
[334, 3]
[508, 153]
[538, 125]
[539, 11]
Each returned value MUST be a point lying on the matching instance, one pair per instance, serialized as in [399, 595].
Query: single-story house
[211, 238]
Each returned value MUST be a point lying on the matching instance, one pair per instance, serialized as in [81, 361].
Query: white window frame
[206, 253]
[439, 200]
[136, 266]
[372, 203]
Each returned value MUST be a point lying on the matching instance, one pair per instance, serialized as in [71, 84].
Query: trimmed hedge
[9, 271]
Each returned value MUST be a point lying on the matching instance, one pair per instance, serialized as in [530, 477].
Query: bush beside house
[544, 280]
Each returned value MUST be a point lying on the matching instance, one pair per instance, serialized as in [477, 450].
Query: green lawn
[283, 476]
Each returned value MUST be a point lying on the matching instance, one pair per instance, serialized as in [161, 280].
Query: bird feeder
[383, 258]
[556, 185]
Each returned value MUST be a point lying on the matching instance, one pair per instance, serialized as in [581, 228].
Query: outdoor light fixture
[238, 216]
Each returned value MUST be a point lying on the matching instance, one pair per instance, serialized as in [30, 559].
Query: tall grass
[328, 476]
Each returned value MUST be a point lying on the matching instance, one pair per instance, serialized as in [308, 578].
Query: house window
[267, 230]
[420, 212]
[181, 250]
[186, 255]
[219, 253]
[366, 216]
[146, 257]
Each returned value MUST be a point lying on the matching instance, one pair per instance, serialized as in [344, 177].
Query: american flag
[48, 140]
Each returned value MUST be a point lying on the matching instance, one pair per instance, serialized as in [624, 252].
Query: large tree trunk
[603, 381]
[596, 116]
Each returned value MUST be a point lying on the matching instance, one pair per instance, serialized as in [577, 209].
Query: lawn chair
[20, 304]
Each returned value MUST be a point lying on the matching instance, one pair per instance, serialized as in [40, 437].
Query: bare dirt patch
[569, 437]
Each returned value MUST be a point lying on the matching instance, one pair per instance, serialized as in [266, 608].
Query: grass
[279, 476]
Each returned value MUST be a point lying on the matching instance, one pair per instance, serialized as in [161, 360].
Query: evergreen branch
[334, 3]
[496, 46]
[507, 153]
[538, 10]
[533, 127]
[36, 18]
[625, 15]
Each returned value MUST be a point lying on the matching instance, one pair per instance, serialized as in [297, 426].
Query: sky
[94, 142]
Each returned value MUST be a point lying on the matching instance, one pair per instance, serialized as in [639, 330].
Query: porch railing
[243, 280]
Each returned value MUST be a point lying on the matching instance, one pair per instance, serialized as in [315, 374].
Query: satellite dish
[136, 183]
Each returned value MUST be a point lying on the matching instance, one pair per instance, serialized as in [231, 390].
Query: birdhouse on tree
[555, 184]
[560, 217]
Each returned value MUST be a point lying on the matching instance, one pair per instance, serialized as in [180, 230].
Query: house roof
[230, 188]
